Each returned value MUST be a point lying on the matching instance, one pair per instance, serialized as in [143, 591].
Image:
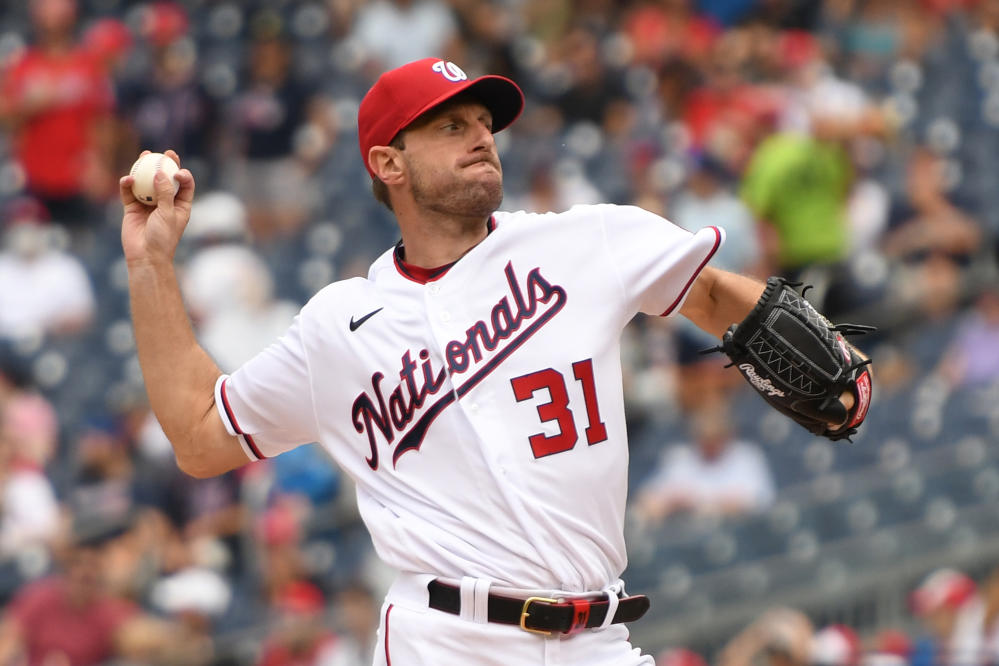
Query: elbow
[194, 468]
[194, 460]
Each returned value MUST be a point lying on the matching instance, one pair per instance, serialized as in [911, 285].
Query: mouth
[481, 160]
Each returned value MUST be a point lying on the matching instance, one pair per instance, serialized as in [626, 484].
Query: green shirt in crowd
[800, 186]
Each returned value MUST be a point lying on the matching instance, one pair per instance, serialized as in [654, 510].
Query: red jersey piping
[683, 292]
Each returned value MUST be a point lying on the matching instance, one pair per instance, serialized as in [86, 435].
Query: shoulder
[36, 597]
[746, 451]
[28, 59]
[337, 296]
[54, 260]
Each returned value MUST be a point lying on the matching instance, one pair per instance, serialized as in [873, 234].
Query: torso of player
[481, 413]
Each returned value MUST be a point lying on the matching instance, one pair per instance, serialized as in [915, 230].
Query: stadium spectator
[707, 200]
[947, 603]
[591, 89]
[110, 43]
[717, 473]
[227, 284]
[252, 318]
[206, 508]
[933, 239]
[194, 598]
[799, 180]
[43, 290]
[281, 132]
[279, 535]
[972, 356]
[169, 107]
[355, 613]
[428, 26]
[779, 637]
[69, 618]
[28, 435]
[56, 101]
[231, 292]
[659, 31]
[299, 638]
[103, 479]
[726, 113]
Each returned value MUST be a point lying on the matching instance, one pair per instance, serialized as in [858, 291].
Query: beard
[445, 193]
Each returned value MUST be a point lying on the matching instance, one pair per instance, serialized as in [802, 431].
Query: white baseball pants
[413, 634]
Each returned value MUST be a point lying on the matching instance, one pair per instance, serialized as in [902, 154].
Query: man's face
[451, 161]
[54, 15]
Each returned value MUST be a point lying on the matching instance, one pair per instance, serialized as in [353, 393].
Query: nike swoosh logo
[354, 325]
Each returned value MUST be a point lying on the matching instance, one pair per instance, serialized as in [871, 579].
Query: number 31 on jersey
[557, 409]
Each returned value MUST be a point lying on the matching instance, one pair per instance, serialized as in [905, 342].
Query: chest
[488, 357]
[82, 636]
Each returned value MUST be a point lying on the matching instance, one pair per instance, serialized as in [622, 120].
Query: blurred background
[851, 144]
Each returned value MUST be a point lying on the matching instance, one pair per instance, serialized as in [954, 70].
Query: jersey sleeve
[267, 403]
[656, 261]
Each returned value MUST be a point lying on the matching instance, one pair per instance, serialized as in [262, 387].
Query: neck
[56, 43]
[431, 240]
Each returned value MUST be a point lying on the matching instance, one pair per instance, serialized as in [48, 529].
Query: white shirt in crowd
[738, 474]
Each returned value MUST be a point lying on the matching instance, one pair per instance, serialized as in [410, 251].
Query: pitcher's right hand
[150, 234]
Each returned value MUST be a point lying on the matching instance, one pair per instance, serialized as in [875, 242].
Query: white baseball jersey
[480, 409]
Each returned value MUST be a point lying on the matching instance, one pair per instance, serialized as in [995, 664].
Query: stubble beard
[455, 198]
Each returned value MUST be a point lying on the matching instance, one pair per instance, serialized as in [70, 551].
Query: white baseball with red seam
[144, 170]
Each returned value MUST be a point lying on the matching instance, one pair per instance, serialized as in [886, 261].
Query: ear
[387, 164]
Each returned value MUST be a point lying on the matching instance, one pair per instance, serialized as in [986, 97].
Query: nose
[483, 137]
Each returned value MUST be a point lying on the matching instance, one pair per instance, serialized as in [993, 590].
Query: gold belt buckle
[524, 615]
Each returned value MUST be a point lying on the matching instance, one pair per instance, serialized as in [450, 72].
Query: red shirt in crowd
[55, 142]
[56, 632]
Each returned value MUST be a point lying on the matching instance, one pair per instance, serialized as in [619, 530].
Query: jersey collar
[425, 275]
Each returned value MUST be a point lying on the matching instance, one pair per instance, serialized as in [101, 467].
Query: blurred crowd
[849, 144]
[959, 620]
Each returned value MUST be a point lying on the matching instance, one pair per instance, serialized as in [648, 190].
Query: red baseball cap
[943, 588]
[401, 95]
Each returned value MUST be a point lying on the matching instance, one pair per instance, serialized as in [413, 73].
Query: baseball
[145, 169]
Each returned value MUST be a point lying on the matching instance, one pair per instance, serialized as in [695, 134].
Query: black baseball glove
[800, 363]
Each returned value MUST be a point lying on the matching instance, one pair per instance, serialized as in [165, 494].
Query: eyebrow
[448, 110]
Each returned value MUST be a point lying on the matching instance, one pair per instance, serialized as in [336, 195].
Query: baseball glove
[800, 363]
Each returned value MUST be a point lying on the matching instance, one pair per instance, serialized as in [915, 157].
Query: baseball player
[471, 384]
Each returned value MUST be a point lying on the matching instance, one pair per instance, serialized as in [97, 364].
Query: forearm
[719, 299]
[179, 375]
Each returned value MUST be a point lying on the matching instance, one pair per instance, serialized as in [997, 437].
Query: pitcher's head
[426, 129]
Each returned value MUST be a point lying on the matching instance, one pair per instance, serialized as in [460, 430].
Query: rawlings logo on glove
[800, 363]
[760, 384]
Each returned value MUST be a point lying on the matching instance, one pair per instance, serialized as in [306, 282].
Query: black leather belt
[539, 614]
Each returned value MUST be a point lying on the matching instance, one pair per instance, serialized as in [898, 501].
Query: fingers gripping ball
[801, 363]
[144, 170]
